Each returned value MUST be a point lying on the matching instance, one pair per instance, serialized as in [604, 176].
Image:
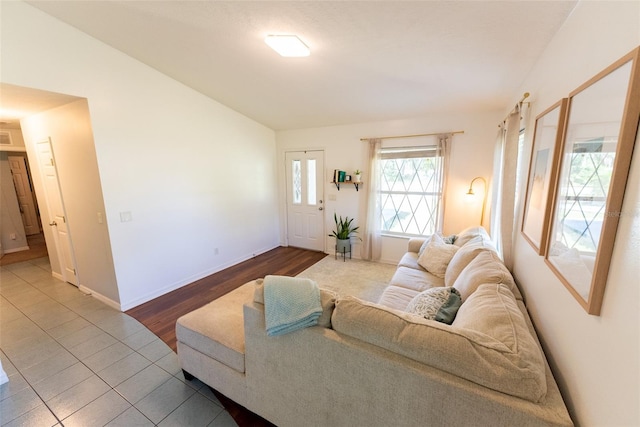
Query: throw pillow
[436, 255]
[447, 239]
[439, 304]
[450, 239]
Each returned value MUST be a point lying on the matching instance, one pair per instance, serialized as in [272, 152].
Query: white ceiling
[17, 102]
[369, 61]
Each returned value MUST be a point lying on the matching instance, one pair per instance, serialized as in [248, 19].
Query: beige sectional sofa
[372, 363]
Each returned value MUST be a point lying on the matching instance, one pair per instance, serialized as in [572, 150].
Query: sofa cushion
[440, 304]
[397, 297]
[469, 233]
[464, 256]
[493, 313]
[436, 255]
[513, 367]
[217, 329]
[486, 267]
[327, 300]
[418, 280]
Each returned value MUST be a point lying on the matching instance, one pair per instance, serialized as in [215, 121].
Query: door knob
[53, 223]
[320, 208]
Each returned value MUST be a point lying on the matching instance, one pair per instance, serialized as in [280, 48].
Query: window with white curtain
[411, 190]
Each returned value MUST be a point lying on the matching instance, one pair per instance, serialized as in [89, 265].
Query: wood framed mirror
[543, 168]
[598, 142]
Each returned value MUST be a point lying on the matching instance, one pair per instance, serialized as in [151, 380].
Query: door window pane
[296, 176]
[311, 182]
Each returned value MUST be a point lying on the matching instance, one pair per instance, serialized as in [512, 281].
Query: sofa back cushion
[492, 313]
[491, 361]
[464, 256]
[486, 267]
[469, 233]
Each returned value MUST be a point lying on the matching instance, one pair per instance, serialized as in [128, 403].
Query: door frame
[320, 196]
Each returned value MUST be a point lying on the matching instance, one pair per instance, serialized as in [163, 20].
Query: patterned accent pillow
[441, 304]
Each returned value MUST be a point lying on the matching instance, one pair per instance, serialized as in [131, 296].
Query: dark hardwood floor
[160, 314]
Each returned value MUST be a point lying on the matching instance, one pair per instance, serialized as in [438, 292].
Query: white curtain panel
[371, 236]
[444, 150]
[504, 187]
[496, 187]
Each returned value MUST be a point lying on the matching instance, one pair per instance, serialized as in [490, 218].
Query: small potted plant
[343, 233]
[357, 175]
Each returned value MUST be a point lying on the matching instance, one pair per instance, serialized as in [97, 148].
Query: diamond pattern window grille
[583, 208]
[410, 194]
[297, 181]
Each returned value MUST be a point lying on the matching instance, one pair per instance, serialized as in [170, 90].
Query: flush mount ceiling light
[287, 45]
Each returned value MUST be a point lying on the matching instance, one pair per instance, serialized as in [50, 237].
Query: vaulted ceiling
[369, 61]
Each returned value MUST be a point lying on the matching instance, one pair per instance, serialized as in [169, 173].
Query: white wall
[194, 175]
[69, 129]
[471, 156]
[595, 358]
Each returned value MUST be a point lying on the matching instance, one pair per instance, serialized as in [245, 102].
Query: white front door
[58, 220]
[305, 204]
[26, 202]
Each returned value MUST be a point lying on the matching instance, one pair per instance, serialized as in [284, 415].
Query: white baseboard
[20, 249]
[108, 301]
[57, 275]
[128, 305]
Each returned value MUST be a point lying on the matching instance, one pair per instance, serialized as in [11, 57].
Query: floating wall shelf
[356, 184]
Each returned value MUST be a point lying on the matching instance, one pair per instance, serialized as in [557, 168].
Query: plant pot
[343, 245]
[356, 178]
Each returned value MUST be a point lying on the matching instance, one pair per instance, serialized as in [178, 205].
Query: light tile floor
[74, 361]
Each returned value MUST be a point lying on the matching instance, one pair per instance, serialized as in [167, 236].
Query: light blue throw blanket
[290, 304]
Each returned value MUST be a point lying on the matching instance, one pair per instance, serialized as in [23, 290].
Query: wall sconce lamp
[470, 193]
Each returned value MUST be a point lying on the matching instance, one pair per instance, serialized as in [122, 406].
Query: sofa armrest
[415, 243]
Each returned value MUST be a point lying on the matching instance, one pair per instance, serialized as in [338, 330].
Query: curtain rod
[519, 104]
[412, 136]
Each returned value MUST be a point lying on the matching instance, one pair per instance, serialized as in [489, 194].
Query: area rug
[363, 279]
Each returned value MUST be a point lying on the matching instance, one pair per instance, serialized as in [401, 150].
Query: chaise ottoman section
[217, 329]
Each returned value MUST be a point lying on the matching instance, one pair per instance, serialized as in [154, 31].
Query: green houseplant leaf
[343, 229]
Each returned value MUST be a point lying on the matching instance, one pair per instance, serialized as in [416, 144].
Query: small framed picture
[543, 167]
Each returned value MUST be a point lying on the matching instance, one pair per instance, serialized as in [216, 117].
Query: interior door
[305, 207]
[58, 220]
[26, 201]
